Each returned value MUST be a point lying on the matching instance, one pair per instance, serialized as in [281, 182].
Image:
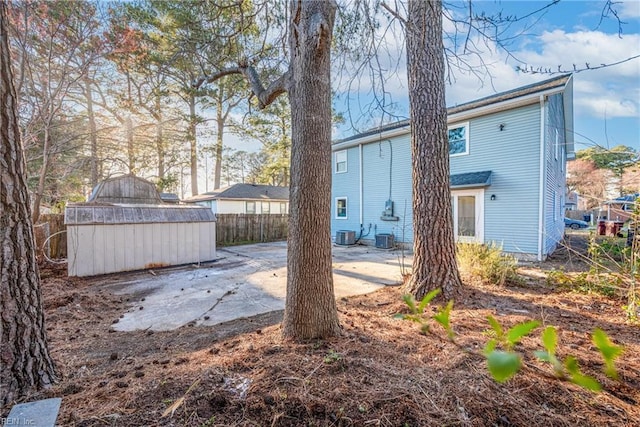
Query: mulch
[380, 372]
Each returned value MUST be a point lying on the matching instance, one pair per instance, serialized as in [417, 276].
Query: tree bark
[160, 150]
[131, 149]
[25, 362]
[220, 120]
[193, 145]
[93, 133]
[434, 247]
[310, 310]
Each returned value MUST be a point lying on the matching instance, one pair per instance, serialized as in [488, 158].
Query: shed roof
[471, 179]
[125, 189]
[244, 192]
[89, 213]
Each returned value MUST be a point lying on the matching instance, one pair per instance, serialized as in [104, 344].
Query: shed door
[468, 215]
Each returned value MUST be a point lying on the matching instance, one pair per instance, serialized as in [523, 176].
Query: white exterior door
[468, 215]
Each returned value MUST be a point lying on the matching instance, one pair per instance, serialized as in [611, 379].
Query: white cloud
[611, 91]
[614, 90]
[629, 9]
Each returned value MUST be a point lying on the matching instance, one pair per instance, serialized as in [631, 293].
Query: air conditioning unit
[384, 241]
[345, 237]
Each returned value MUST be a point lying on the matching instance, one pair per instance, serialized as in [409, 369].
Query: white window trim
[346, 200]
[246, 210]
[346, 167]
[479, 195]
[459, 125]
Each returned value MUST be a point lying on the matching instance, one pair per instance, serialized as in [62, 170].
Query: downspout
[541, 223]
[361, 185]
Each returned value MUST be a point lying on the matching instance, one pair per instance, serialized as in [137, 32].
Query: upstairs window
[458, 140]
[341, 161]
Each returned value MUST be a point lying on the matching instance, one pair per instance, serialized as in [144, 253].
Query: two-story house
[507, 154]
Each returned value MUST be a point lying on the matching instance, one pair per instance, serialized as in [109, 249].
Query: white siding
[100, 248]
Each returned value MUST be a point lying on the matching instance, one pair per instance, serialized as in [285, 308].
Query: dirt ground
[380, 372]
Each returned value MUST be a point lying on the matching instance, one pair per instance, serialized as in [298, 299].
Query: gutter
[541, 181]
[361, 184]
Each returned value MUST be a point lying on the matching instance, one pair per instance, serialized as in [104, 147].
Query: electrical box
[384, 241]
[388, 208]
[345, 237]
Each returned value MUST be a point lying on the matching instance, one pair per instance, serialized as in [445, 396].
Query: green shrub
[487, 263]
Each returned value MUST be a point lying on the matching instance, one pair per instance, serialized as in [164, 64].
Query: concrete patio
[243, 281]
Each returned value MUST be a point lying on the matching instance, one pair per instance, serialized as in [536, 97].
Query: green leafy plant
[505, 363]
[570, 369]
[416, 313]
[608, 350]
[332, 357]
[443, 316]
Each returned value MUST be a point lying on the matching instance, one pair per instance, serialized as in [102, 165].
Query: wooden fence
[231, 229]
[50, 235]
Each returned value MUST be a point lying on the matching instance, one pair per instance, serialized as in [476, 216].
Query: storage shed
[112, 237]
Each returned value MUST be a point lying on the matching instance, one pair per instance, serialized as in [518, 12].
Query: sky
[606, 100]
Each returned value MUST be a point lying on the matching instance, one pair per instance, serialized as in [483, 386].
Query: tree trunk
[310, 302]
[193, 146]
[93, 136]
[44, 168]
[131, 149]
[219, 144]
[25, 362]
[160, 139]
[434, 247]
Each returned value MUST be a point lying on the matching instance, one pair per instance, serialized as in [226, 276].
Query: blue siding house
[507, 154]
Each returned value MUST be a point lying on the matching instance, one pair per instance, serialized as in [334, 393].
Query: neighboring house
[507, 154]
[571, 201]
[245, 199]
[620, 208]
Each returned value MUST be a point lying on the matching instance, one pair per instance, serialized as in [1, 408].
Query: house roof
[169, 198]
[628, 199]
[244, 192]
[555, 83]
[471, 179]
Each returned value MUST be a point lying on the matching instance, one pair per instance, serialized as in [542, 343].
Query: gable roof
[520, 96]
[244, 192]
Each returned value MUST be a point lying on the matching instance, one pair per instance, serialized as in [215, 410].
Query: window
[266, 207]
[250, 207]
[283, 208]
[557, 143]
[458, 140]
[341, 208]
[341, 161]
